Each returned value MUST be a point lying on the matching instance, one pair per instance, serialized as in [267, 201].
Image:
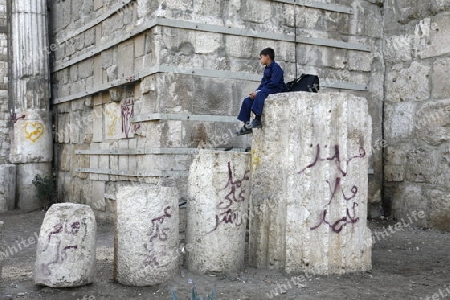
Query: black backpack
[306, 83]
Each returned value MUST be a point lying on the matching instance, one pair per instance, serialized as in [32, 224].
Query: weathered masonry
[417, 110]
[137, 86]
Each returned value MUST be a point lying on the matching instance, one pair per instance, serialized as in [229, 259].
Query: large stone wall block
[434, 36]
[431, 123]
[217, 211]
[408, 83]
[65, 254]
[147, 234]
[309, 186]
[7, 187]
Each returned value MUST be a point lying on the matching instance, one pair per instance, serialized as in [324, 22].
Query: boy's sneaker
[245, 129]
[254, 124]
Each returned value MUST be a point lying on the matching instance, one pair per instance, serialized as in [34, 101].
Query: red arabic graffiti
[350, 217]
[235, 195]
[127, 112]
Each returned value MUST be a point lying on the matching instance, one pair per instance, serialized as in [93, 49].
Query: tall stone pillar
[309, 186]
[31, 143]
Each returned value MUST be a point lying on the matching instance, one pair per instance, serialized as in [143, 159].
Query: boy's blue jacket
[273, 79]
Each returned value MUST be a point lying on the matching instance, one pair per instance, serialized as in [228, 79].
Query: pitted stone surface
[147, 234]
[65, 254]
[217, 211]
[309, 184]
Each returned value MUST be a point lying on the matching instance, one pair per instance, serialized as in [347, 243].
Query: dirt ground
[409, 264]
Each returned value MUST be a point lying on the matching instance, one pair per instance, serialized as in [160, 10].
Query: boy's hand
[252, 95]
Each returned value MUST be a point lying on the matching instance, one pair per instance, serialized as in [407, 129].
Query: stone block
[439, 207]
[421, 165]
[139, 45]
[207, 42]
[208, 8]
[237, 46]
[395, 155]
[440, 78]
[398, 48]
[408, 201]
[147, 234]
[399, 121]
[125, 60]
[408, 83]
[436, 34]
[207, 99]
[97, 124]
[217, 211]
[86, 68]
[65, 254]
[73, 73]
[309, 187]
[359, 61]
[256, 12]
[7, 187]
[98, 78]
[432, 122]
[176, 93]
[373, 21]
[394, 172]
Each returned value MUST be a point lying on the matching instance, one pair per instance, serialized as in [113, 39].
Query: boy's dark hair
[268, 51]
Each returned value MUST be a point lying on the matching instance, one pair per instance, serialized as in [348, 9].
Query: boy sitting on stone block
[271, 83]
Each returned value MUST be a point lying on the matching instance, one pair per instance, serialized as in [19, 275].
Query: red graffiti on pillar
[15, 119]
[156, 222]
[157, 233]
[235, 194]
[350, 218]
[55, 240]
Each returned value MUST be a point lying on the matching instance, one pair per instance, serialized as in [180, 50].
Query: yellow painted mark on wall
[255, 160]
[34, 131]
[112, 126]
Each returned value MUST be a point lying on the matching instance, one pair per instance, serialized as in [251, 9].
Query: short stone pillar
[7, 187]
[147, 234]
[217, 211]
[65, 254]
[309, 188]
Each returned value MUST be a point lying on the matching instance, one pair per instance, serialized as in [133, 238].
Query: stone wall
[417, 110]
[4, 114]
[139, 85]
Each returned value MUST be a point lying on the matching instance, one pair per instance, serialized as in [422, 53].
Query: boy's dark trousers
[248, 105]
